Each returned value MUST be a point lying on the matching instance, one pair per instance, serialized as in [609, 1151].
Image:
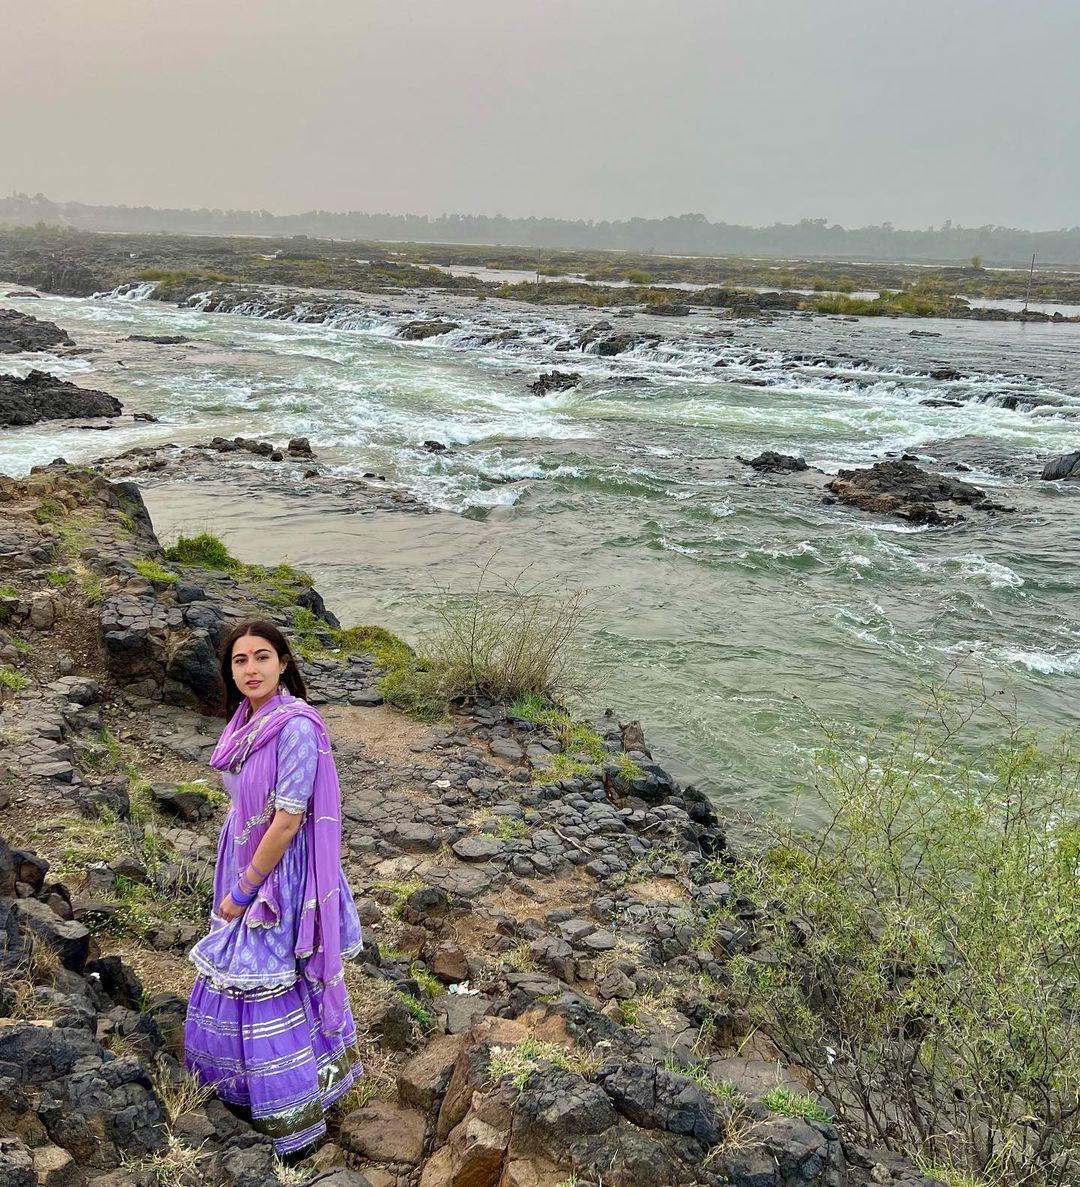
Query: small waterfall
[131, 290]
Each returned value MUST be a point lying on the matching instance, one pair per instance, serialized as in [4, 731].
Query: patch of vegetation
[510, 828]
[419, 1013]
[179, 284]
[103, 754]
[74, 533]
[205, 551]
[428, 982]
[520, 1063]
[721, 1089]
[91, 586]
[938, 915]
[655, 1008]
[50, 511]
[126, 522]
[155, 573]
[399, 892]
[58, 578]
[11, 681]
[915, 303]
[795, 1104]
[210, 793]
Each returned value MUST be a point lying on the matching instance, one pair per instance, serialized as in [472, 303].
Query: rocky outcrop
[417, 331]
[20, 331]
[554, 381]
[903, 489]
[42, 397]
[771, 462]
[598, 339]
[1066, 466]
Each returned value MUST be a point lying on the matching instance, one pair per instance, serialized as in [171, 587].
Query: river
[734, 610]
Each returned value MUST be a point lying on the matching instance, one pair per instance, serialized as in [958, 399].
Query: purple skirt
[264, 1049]
[253, 1032]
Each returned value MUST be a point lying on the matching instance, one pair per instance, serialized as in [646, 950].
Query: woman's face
[256, 666]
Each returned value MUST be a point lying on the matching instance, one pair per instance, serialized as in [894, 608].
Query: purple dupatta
[244, 750]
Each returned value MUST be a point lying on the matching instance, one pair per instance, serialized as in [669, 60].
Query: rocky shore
[540, 1001]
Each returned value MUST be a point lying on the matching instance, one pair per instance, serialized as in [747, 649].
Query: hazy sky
[748, 111]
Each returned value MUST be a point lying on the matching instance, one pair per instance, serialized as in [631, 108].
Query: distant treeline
[689, 234]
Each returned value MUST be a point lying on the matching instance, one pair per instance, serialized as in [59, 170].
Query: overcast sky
[749, 111]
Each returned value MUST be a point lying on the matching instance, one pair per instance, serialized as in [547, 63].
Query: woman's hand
[229, 910]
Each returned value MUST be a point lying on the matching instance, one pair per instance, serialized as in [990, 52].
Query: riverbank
[73, 263]
[535, 954]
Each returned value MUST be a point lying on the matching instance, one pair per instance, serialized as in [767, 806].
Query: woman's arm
[276, 839]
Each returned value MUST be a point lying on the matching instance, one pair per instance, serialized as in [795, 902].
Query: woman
[269, 1025]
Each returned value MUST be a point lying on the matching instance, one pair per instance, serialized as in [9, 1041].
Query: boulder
[40, 396]
[69, 939]
[554, 381]
[422, 1081]
[903, 489]
[21, 332]
[417, 331]
[1066, 466]
[771, 462]
[385, 1132]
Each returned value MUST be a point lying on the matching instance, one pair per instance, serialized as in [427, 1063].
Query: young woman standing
[269, 1025]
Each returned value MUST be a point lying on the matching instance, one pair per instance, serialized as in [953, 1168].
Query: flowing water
[734, 609]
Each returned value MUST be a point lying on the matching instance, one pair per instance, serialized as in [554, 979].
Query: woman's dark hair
[264, 629]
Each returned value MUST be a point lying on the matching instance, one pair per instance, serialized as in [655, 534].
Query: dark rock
[118, 980]
[903, 489]
[416, 331]
[160, 339]
[668, 309]
[20, 331]
[391, 1025]
[250, 1166]
[434, 447]
[16, 1164]
[191, 806]
[653, 1098]
[1066, 466]
[770, 462]
[477, 848]
[300, 447]
[69, 939]
[554, 381]
[42, 397]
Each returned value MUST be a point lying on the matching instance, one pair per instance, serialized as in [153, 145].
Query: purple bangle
[240, 898]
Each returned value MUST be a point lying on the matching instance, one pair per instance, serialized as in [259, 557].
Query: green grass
[510, 828]
[103, 754]
[91, 586]
[50, 511]
[428, 982]
[400, 892]
[155, 573]
[12, 681]
[59, 579]
[520, 1063]
[208, 791]
[205, 551]
[795, 1104]
[699, 1073]
[582, 747]
[419, 1013]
